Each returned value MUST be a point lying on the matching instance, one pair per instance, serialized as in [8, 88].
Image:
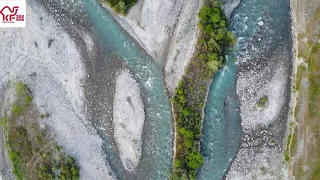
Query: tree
[215, 17]
[221, 34]
[222, 23]
[213, 65]
[195, 160]
[208, 29]
[186, 112]
[230, 37]
[122, 6]
[213, 57]
[213, 45]
[204, 14]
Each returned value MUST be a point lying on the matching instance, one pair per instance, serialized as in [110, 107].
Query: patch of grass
[21, 88]
[26, 99]
[301, 71]
[3, 121]
[291, 141]
[18, 170]
[317, 15]
[301, 36]
[64, 168]
[42, 116]
[303, 50]
[69, 169]
[316, 171]
[263, 170]
[314, 79]
[29, 100]
[16, 109]
[262, 101]
[32, 153]
[273, 142]
[294, 141]
[287, 151]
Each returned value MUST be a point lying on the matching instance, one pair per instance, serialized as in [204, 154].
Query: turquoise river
[222, 125]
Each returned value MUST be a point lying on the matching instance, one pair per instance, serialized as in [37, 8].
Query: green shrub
[120, 6]
[3, 121]
[213, 65]
[42, 116]
[21, 88]
[69, 169]
[16, 109]
[195, 160]
[29, 100]
[262, 101]
[17, 166]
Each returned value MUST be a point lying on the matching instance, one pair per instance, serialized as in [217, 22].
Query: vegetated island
[190, 95]
[32, 152]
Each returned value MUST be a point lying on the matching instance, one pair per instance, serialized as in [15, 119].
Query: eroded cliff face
[167, 30]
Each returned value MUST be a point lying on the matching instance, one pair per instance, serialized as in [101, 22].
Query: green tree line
[188, 100]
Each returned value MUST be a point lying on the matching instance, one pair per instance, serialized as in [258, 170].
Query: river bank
[302, 154]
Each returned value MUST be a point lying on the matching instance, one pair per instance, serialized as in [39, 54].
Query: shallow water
[158, 132]
[258, 25]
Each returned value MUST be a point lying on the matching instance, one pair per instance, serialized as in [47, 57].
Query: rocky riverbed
[128, 119]
[263, 88]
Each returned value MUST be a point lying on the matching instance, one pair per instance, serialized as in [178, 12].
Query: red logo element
[8, 14]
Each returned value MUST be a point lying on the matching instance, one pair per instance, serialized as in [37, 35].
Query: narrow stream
[221, 127]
